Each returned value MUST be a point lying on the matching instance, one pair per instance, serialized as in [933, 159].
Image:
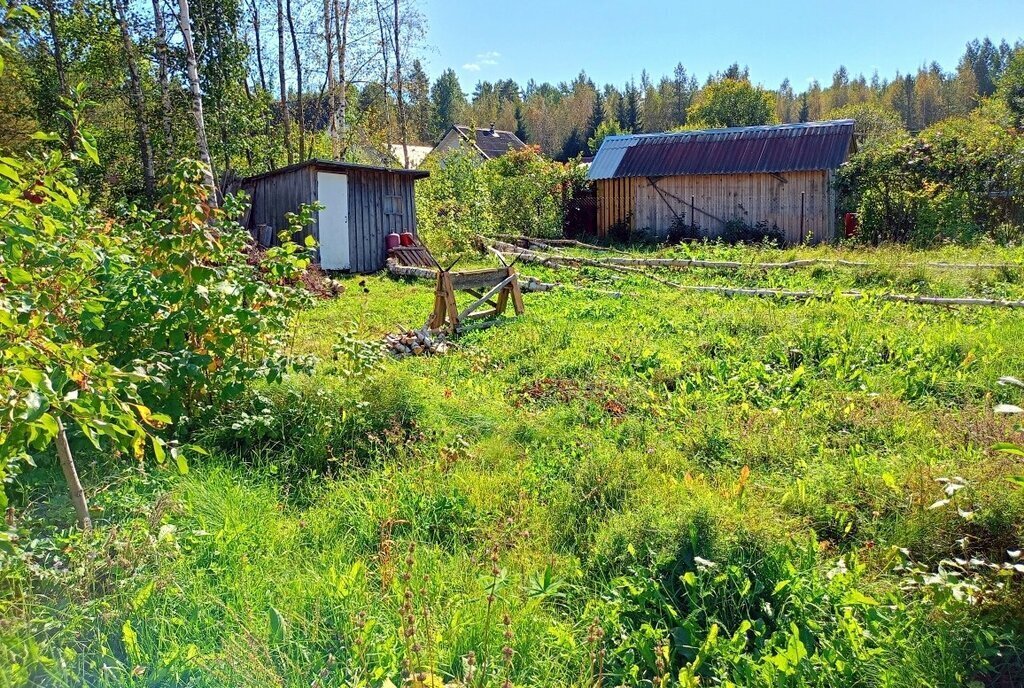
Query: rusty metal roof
[738, 150]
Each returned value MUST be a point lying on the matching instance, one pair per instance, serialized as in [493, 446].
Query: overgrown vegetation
[960, 180]
[660, 488]
[519, 193]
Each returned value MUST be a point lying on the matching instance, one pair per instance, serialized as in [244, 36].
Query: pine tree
[574, 145]
[448, 100]
[633, 113]
[596, 116]
[421, 109]
[522, 133]
[805, 109]
[683, 90]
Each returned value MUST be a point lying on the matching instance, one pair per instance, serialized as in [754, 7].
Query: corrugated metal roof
[738, 150]
[609, 155]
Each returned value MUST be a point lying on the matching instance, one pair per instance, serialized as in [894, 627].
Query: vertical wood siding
[752, 198]
[380, 203]
[273, 196]
[616, 203]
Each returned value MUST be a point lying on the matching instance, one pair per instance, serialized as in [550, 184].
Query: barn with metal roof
[774, 176]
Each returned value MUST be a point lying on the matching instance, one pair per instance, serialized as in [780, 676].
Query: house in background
[778, 175]
[362, 205]
[417, 154]
[489, 143]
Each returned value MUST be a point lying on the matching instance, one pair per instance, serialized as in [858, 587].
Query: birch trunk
[67, 465]
[301, 115]
[284, 84]
[162, 75]
[399, 90]
[138, 102]
[185, 21]
[385, 77]
[341, 35]
[331, 95]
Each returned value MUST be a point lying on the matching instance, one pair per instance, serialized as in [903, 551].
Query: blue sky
[552, 40]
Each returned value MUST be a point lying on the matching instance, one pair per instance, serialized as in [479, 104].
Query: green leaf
[277, 627]
[1009, 448]
[158, 449]
[19, 275]
[855, 597]
[10, 173]
[32, 376]
[131, 641]
[35, 406]
[143, 595]
[89, 146]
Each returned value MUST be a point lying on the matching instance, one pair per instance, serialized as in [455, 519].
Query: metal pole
[801, 217]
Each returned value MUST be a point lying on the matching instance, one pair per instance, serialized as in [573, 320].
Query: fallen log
[546, 243]
[684, 263]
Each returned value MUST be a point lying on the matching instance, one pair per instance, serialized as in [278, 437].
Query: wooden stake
[67, 465]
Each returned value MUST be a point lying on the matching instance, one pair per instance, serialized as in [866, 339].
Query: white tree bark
[403, 130]
[185, 21]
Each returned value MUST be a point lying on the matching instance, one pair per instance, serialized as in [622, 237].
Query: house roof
[338, 166]
[491, 142]
[417, 154]
[736, 150]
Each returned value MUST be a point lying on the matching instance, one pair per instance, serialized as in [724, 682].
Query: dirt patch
[550, 391]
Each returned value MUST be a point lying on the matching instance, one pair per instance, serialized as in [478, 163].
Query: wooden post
[693, 220]
[67, 465]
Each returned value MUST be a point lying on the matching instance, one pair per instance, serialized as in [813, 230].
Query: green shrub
[311, 425]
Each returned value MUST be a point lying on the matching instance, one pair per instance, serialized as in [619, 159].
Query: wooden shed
[362, 205]
[782, 176]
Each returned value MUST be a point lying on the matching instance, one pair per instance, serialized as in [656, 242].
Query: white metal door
[332, 192]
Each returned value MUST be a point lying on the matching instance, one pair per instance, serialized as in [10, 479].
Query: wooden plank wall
[275, 195]
[380, 203]
[616, 200]
[719, 198]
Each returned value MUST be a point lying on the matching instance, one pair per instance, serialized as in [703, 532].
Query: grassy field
[657, 487]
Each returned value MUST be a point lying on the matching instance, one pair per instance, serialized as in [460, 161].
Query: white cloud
[487, 59]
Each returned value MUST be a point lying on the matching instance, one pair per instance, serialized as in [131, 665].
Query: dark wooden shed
[362, 205]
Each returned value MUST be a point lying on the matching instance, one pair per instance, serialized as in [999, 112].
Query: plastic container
[392, 241]
[850, 224]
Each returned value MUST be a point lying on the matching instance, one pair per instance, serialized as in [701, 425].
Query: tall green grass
[645, 490]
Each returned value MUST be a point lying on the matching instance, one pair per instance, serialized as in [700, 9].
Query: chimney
[492, 129]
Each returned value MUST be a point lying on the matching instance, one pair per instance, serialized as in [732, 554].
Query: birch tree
[399, 95]
[185, 22]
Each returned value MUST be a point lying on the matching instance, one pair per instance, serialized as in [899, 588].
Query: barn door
[332, 192]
